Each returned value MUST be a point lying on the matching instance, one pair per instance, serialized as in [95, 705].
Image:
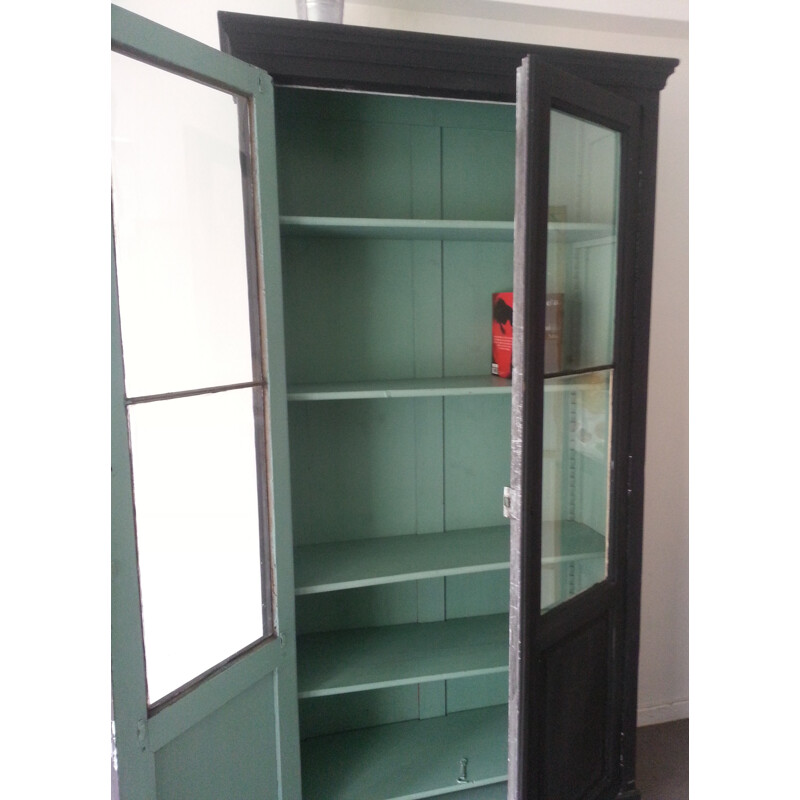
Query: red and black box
[502, 332]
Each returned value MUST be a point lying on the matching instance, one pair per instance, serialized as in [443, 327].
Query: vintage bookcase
[466, 549]
[398, 156]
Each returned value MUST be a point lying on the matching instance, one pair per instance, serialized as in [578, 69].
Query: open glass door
[203, 662]
[576, 164]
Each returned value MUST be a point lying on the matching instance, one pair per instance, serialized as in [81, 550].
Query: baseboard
[669, 712]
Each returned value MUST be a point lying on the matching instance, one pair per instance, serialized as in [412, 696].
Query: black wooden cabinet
[417, 175]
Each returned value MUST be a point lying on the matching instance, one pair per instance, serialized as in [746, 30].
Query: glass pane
[575, 490]
[197, 527]
[583, 204]
[583, 200]
[179, 232]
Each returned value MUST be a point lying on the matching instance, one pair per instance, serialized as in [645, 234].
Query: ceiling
[669, 18]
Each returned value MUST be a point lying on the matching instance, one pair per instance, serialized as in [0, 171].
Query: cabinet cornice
[301, 53]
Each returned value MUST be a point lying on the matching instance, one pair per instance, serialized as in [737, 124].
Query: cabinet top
[302, 53]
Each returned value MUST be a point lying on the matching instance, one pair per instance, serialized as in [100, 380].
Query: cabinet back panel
[346, 712]
[342, 168]
[477, 595]
[477, 443]
[478, 171]
[356, 467]
[350, 309]
[365, 607]
[480, 691]
[387, 108]
[362, 155]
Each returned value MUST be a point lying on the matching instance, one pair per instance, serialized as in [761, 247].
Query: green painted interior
[397, 227]
[408, 387]
[341, 661]
[399, 436]
[354, 563]
[409, 760]
[417, 229]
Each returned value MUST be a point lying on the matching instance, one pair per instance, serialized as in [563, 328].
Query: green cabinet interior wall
[397, 228]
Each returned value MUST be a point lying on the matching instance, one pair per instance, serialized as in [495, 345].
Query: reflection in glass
[575, 483]
[179, 232]
[583, 221]
[197, 529]
[583, 202]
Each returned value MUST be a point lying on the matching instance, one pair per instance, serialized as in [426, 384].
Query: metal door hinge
[510, 503]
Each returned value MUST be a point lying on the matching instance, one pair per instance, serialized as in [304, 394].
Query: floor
[662, 761]
[662, 768]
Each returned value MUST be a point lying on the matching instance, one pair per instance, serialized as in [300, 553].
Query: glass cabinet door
[581, 280]
[576, 183]
[201, 582]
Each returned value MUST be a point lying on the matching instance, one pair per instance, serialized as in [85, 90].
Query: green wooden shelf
[374, 228]
[437, 229]
[419, 387]
[570, 541]
[414, 387]
[334, 566]
[573, 232]
[408, 760]
[370, 562]
[395, 655]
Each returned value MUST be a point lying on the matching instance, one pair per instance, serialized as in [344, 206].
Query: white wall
[628, 26]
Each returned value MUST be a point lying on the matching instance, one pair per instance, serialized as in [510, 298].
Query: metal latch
[510, 503]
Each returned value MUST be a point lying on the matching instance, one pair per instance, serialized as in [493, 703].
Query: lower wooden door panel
[577, 704]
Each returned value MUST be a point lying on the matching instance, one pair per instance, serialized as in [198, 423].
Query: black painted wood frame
[577, 650]
[299, 53]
